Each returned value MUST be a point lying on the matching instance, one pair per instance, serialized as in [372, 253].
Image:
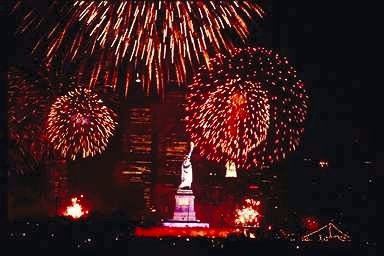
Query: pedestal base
[185, 206]
[184, 214]
[185, 224]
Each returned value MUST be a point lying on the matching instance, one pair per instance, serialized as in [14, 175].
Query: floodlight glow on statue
[184, 214]
[186, 170]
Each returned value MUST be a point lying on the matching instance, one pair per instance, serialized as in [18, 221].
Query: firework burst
[79, 124]
[248, 214]
[76, 210]
[248, 108]
[155, 41]
[26, 105]
[27, 109]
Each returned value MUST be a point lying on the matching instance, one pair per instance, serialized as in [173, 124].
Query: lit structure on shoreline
[327, 233]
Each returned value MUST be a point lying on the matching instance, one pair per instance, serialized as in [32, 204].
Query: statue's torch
[190, 149]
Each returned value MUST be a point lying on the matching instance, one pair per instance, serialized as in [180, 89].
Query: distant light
[253, 187]
[323, 163]
[138, 78]
[130, 172]
[269, 227]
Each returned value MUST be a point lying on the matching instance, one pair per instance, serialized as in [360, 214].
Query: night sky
[333, 46]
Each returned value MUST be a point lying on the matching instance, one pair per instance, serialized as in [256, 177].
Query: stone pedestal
[185, 206]
[184, 214]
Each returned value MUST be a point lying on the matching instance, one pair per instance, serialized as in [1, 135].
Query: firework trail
[155, 42]
[27, 107]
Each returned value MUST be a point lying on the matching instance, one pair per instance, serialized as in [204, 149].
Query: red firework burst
[79, 124]
[157, 41]
[248, 108]
[26, 105]
[27, 109]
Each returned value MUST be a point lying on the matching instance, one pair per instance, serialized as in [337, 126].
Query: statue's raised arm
[186, 170]
[190, 149]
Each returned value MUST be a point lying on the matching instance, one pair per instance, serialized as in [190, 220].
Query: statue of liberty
[186, 171]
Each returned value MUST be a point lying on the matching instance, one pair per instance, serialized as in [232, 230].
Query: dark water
[118, 233]
[196, 246]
